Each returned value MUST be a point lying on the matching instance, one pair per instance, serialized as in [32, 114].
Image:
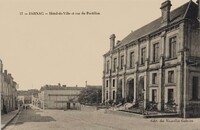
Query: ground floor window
[170, 94]
[154, 95]
[195, 90]
[113, 95]
[106, 95]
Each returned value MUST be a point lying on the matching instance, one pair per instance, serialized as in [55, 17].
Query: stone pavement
[7, 118]
[36, 119]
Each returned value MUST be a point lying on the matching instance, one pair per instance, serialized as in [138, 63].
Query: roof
[57, 87]
[27, 92]
[94, 86]
[187, 11]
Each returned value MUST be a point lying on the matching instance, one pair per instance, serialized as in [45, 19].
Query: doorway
[130, 90]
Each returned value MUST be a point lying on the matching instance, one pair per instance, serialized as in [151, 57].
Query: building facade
[59, 97]
[159, 62]
[8, 91]
[27, 96]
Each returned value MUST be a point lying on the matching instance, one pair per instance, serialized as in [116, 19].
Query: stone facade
[159, 62]
[59, 97]
[8, 91]
[26, 96]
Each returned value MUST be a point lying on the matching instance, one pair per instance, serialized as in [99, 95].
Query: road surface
[36, 119]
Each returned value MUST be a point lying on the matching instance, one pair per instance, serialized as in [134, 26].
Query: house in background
[26, 96]
[59, 97]
[159, 62]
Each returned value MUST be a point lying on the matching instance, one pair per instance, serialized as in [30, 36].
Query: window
[154, 95]
[143, 55]
[170, 97]
[114, 64]
[131, 59]
[172, 47]
[195, 91]
[113, 95]
[106, 95]
[106, 83]
[122, 61]
[170, 76]
[107, 66]
[156, 52]
[154, 78]
[113, 82]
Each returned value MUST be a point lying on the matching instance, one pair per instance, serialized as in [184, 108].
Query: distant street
[35, 119]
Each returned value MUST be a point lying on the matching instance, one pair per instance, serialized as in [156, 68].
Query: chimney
[112, 41]
[9, 75]
[1, 66]
[118, 41]
[5, 72]
[165, 9]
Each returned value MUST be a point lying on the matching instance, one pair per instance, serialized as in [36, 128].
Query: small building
[59, 97]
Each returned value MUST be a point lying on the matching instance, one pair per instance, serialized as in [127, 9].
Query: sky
[66, 49]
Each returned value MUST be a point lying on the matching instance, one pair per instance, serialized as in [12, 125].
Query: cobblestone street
[35, 119]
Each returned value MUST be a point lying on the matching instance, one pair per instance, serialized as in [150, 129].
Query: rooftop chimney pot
[112, 41]
[165, 9]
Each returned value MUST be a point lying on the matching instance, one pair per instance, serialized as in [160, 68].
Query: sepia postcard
[100, 64]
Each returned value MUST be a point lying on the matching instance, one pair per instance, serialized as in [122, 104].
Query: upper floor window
[154, 78]
[155, 52]
[122, 62]
[131, 59]
[143, 55]
[106, 83]
[170, 76]
[172, 47]
[113, 83]
[107, 66]
[114, 64]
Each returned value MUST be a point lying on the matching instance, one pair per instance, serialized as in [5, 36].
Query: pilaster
[161, 75]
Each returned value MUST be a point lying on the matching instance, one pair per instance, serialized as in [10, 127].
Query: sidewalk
[152, 115]
[7, 118]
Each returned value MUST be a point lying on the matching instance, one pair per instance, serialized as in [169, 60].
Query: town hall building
[159, 62]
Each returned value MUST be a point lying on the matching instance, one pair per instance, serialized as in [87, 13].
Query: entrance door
[68, 105]
[119, 91]
[140, 90]
[130, 90]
